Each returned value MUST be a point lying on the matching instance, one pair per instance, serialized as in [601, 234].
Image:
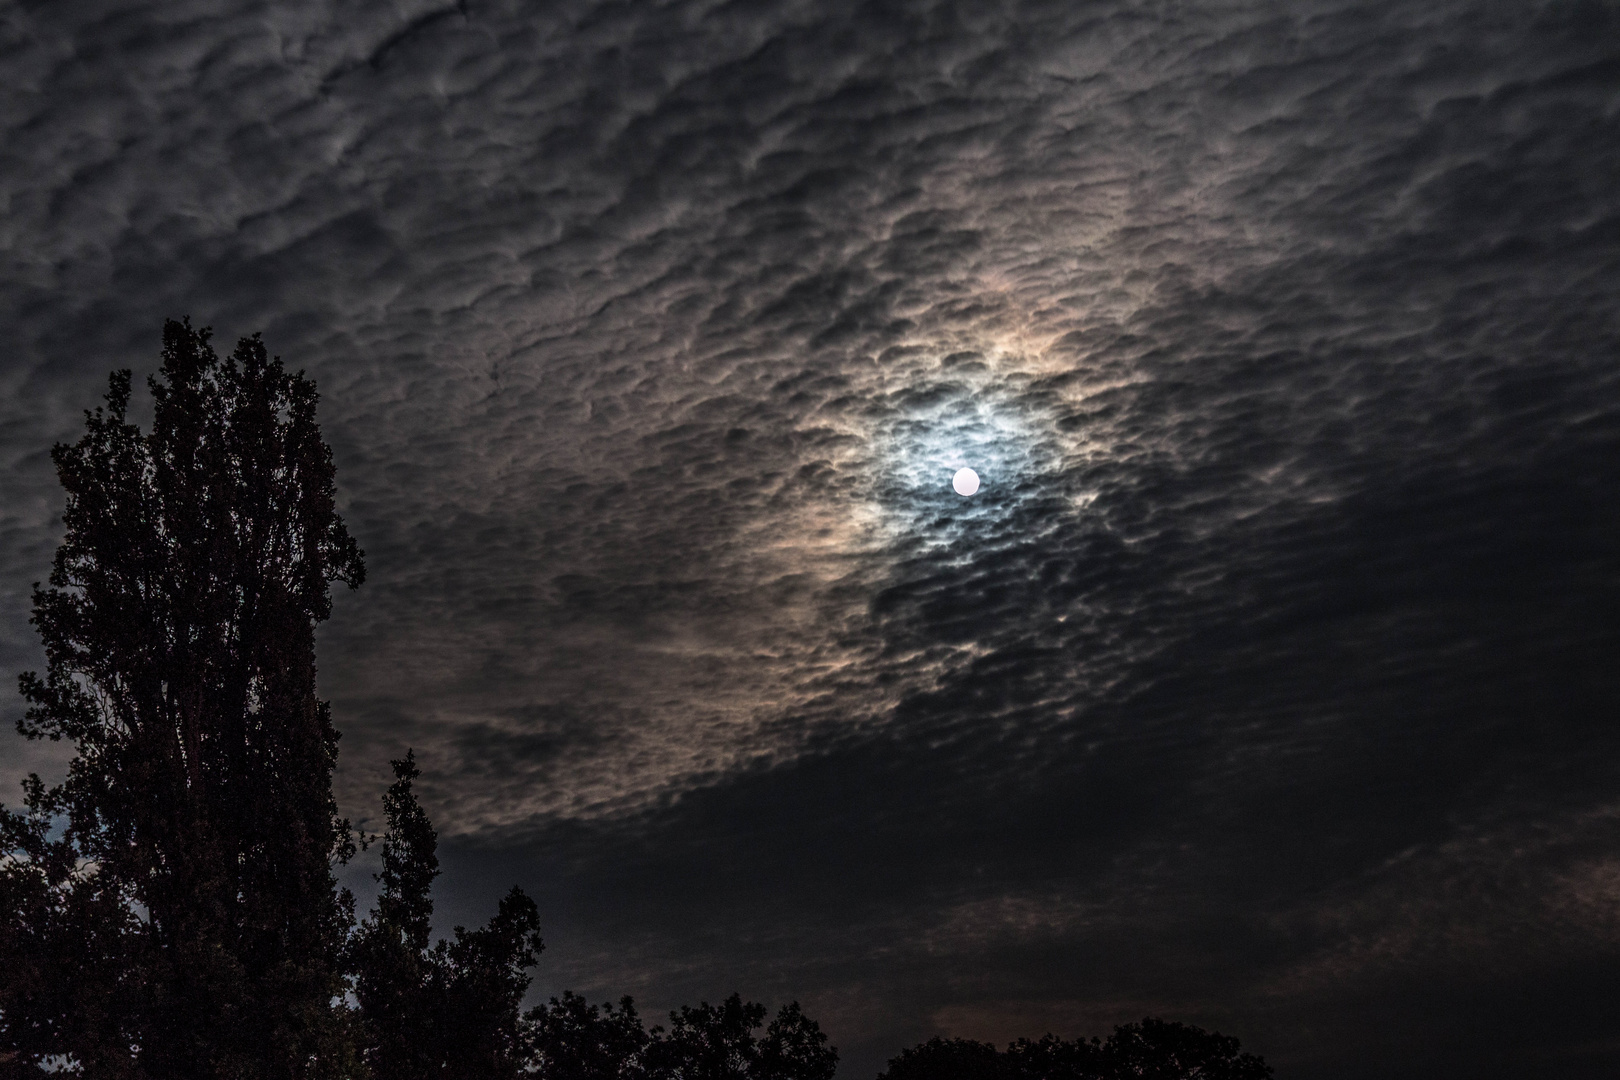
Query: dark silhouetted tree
[480, 978]
[1151, 1050]
[717, 1042]
[185, 921]
[571, 1039]
[1161, 1050]
[1052, 1058]
[389, 952]
[709, 1042]
[795, 1048]
[946, 1059]
[450, 1010]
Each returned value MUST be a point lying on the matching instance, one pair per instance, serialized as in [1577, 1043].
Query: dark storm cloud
[1268, 680]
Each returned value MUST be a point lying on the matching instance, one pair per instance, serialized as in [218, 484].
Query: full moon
[966, 481]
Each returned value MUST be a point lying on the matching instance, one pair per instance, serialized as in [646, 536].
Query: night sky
[1271, 681]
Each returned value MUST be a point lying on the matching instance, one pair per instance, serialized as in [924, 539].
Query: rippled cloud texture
[1269, 681]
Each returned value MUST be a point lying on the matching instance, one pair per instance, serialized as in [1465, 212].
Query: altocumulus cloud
[1268, 681]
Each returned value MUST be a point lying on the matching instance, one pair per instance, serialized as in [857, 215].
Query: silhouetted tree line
[1151, 1050]
[170, 910]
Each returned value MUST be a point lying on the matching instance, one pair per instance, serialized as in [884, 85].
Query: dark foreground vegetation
[170, 910]
[1153, 1049]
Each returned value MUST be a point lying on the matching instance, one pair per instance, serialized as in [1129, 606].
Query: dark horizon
[1267, 684]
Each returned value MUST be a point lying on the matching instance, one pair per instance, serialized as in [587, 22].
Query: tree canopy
[170, 909]
[190, 891]
[571, 1039]
[450, 1009]
[1150, 1050]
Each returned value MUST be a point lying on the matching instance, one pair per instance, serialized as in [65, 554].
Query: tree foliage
[1151, 1050]
[570, 1039]
[389, 952]
[947, 1059]
[450, 1009]
[190, 888]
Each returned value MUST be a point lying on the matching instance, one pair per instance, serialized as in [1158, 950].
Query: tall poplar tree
[170, 908]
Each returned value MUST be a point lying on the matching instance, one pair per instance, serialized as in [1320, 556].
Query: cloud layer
[1267, 682]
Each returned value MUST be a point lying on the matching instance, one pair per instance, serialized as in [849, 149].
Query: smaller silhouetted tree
[1151, 1050]
[795, 1048]
[390, 952]
[946, 1059]
[716, 1042]
[571, 1039]
[1052, 1058]
[1161, 1050]
[479, 979]
[448, 1010]
[709, 1042]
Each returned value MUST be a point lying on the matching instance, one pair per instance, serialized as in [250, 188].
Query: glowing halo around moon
[966, 481]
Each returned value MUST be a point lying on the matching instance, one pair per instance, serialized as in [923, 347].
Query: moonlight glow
[966, 481]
